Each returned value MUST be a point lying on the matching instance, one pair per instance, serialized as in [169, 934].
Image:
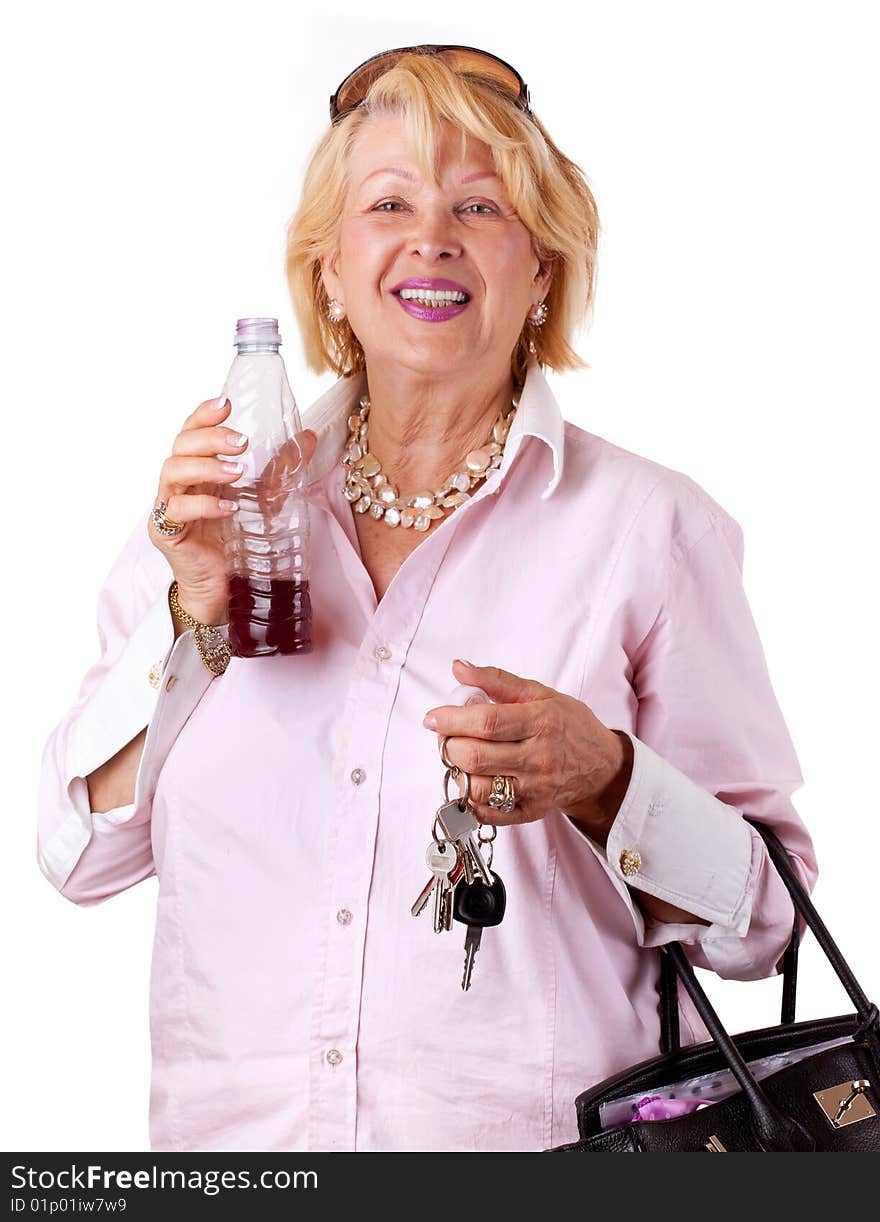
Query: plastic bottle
[266, 540]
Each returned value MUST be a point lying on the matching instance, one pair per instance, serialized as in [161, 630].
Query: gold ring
[163, 524]
[503, 794]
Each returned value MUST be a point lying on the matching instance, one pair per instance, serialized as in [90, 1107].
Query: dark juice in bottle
[269, 615]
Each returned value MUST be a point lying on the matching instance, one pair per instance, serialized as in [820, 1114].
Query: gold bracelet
[212, 645]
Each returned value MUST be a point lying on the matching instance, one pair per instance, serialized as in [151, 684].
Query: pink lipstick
[432, 300]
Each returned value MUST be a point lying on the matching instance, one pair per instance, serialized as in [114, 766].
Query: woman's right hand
[188, 484]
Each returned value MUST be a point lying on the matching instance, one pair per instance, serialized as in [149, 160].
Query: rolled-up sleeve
[710, 747]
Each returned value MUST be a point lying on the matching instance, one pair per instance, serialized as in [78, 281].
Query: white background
[153, 156]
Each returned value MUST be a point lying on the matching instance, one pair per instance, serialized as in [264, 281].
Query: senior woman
[441, 256]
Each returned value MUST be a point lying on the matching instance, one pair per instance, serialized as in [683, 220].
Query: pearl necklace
[370, 491]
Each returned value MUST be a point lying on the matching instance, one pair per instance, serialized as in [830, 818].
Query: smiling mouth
[433, 298]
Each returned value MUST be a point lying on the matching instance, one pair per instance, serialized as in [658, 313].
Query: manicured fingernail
[430, 722]
[465, 662]
[227, 504]
[220, 404]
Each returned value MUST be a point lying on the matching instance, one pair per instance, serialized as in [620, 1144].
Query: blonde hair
[549, 192]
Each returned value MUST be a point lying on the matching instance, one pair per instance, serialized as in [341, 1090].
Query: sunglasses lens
[355, 87]
[465, 60]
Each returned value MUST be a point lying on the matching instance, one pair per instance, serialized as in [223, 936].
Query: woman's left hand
[557, 752]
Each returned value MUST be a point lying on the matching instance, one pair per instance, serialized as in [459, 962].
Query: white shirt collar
[538, 415]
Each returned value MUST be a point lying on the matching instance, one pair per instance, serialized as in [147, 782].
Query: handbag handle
[773, 1129]
[670, 1032]
[865, 1009]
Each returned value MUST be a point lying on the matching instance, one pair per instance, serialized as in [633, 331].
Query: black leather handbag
[823, 1099]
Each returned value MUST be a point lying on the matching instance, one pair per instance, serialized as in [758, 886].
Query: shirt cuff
[123, 702]
[136, 692]
[674, 840]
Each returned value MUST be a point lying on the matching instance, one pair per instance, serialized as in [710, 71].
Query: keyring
[444, 738]
[465, 797]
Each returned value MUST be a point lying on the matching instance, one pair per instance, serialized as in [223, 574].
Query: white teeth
[432, 297]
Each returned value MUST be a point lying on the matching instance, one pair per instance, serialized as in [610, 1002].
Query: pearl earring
[537, 319]
[335, 310]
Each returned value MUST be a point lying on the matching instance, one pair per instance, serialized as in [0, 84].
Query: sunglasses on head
[354, 88]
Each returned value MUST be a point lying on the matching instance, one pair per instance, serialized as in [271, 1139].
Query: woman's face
[461, 235]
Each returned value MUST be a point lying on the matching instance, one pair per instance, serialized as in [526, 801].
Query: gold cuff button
[156, 673]
[630, 861]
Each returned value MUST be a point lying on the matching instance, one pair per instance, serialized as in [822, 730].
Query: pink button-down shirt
[285, 808]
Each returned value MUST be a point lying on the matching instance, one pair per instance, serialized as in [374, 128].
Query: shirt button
[358, 776]
[172, 679]
[155, 673]
[343, 916]
[382, 653]
[630, 861]
[333, 1056]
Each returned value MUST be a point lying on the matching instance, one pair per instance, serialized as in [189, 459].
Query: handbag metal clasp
[845, 1103]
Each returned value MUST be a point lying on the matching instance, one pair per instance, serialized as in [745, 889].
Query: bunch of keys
[462, 883]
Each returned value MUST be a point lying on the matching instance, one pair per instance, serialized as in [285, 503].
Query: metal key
[468, 863]
[459, 821]
[459, 825]
[452, 883]
[444, 890]
[442, 857]
[476, 855]
[479, 907]
[446, 907]
[424, 895]
[428, 890]
[439, 903]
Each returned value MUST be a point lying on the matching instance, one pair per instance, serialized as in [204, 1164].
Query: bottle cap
[257, 331]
